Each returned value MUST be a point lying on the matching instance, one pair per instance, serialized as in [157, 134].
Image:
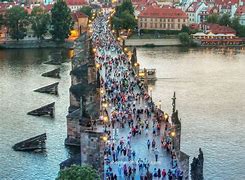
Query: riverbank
[31, 44]
[153, 42]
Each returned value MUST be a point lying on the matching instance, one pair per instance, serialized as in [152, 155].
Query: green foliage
[225, 20]
[87, 10]
[16, 18]
[40, 22]
[185, 29]
[213, 18]
[78, 173]
[125, 6]
[185, 39]
[128, 21]
[240, 29]
[124, 16]
[1, 20]
[61, 21]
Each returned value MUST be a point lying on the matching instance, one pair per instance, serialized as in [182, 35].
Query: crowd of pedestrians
[136, 134]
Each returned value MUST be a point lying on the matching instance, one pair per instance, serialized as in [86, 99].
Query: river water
[20, 74]
[210, 89]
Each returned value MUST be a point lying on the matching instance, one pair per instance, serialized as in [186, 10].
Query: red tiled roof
[217, 29]
[227, 2]
[76, 2]
[138, 2]
[48, 7]
[156, 12]
[5, 5]
[194, 6]
[240, 10]
[77, 15]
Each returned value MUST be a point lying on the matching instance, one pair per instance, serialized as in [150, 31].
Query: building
[156, 18]
[80, 24]
[194, 11]
[75, 5]
[240, 12]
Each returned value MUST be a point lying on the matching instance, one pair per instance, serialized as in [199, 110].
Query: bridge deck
[113, 73]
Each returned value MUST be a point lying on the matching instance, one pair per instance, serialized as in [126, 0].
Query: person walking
[133, 154]
[163, 174]
[156, 152]
[148, 144]
[159, 173]
[153, 144]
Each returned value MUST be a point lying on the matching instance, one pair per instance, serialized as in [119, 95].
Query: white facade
[193, 14]
[74, 8]
[242, 19]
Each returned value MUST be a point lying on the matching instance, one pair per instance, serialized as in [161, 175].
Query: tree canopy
[86, 10]
[61, 21]
[185, 39]
[213, 18]
[124, 16]
[40, 22]
[78, 173]
[16, 18]
[224, 20]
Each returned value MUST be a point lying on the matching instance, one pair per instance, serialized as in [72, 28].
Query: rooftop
[76, 2]
[156, 12]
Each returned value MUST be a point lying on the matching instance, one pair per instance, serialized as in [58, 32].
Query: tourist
[163, 174]
[148, 144]
[159, 173]
[156, 152]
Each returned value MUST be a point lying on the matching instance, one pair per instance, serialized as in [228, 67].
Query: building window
[141, 25]
[151, 25]
[168, 20]
[155, 25]
[151, 19]
[178, 26]
[145, 25]
[178, 20]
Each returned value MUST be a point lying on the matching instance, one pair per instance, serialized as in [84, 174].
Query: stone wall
[155, 42]
[92, 149]
[22, 44]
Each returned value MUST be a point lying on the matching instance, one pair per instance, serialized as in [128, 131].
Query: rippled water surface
[210, 88]
[20, 74]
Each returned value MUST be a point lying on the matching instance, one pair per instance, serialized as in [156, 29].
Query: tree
[61, 21]
[213, 18]
[185, 38]
[40, 21]
[1, 20]
[78, 173]
[16, 18]
[125, 6]
[240, 29]
[185, 29]
[86, 10]
[225, 20]
[124, 16]
[128, 20]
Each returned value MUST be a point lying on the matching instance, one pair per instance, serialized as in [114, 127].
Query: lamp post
[151, 92]
[160, 104]
[173, 134]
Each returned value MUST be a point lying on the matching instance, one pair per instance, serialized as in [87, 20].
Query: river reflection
[210, 88]
[20, 74]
